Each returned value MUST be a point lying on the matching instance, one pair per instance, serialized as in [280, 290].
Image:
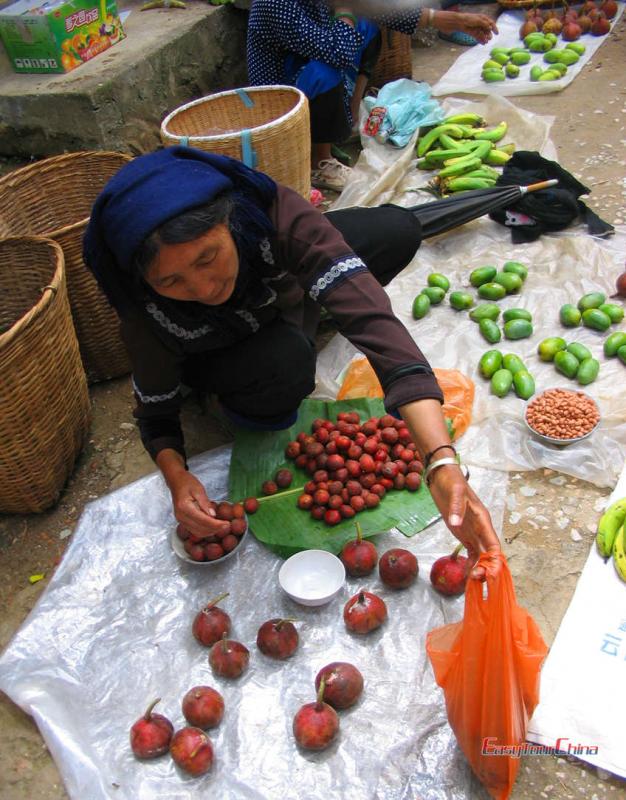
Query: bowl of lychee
[212, 549]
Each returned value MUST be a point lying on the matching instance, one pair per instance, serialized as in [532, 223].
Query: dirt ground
[549, 525]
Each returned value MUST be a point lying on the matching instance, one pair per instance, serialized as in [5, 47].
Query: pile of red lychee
[352, 466]
[212, 547]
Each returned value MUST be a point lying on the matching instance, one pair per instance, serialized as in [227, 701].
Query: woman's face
[203, 270]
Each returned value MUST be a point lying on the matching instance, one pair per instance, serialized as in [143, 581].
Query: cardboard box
[58, 35]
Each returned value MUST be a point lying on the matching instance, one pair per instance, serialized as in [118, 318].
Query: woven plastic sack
[458, 392]
[488, 667]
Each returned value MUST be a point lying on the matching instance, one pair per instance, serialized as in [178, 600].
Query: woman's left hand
[480, 26]
[465, 516]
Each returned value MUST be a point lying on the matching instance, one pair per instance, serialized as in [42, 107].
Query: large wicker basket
[53, 198]
[43, 390]
[266, 127]
[394, 61]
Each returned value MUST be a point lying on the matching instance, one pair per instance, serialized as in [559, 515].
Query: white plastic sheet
[464, 74]
[112, 631]
[582, 703]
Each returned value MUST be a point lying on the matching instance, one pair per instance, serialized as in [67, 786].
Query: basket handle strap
[245, 98]
[184, 141]
[248, 155]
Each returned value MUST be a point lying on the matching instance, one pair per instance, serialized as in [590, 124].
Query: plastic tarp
[464, 74]
[112, 632]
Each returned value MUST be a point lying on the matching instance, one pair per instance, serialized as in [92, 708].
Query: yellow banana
[427, 141]
[608, 526]
[466, 118]
[619, 554]
[507, 148]
[496, 158]
[493, 134]
[461, 166]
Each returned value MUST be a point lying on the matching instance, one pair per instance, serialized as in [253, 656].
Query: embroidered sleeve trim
[249, 318]
[155, 398]
[173, 328]
[339, 271]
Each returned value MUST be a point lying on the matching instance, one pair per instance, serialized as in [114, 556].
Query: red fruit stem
[361, 598]
[194, 753]
[278, 494]
[216, 600]
[320, 695]
[456, 551]
[359, 533]
[148, 715]
[279, 624]
[224, 642]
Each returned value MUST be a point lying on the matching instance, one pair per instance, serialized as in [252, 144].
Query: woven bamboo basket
[394, 61]
[53, 198]
[514, 4]
[43, 391]
[266, 127]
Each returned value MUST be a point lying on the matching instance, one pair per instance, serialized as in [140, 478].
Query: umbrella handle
[535, 187]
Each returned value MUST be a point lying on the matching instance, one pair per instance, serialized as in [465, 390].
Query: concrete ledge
[117, 100]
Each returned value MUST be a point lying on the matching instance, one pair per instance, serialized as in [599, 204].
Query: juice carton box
[58, 35]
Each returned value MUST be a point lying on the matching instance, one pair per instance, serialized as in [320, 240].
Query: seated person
[329, 54]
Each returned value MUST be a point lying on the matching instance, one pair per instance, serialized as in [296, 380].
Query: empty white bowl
[312, 577]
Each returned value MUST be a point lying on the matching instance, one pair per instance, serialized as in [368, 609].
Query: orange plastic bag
[458, 391]
[488, 667]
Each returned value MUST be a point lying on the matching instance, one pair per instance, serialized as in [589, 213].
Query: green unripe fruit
[482, 275]
[516, 268]
[501, 382]
[579, 350]
[536, 72]
[518, 329]
[591, 300]
[559, 67]
[551, 57]
[461, 301]
[485, 311]
[491, 64]
[421, 306]
[570, 316]
[490, 363]
[568, 57]
[500, 56]
[524, 384]
[550, 75]
[577, 47]
[566, 363]
[596, 320]
[550, 347]
[512, 283]
[520, 57]
[621, 354]
[492, 75]
[512, 71]
[438, 280]
[517, 313]
[489, 330]
[513, 363]
[613, 343]
[491, 291]
[588, 371]
[434, 294]
[614, 313]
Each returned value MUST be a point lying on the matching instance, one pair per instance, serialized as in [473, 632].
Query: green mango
[482, 275]
[512, 283]
[548, 348]
[511, 70]
[517, 313]
[461, 301]
[421, 306]
[588, 371]
[566, 363]
[516, 268]
[518, 329]
[614, 312]
[524, 384]
[613, 343]
[579, 350]
[550, 75]
[551, 38]
[491, 64]
[596, 319]
[568, 57]
[591, 300]
[536, 72]
[495, 50]
[492, 75]
[533, 37]
[513, 363]
[559, 67]
[520, 57]
[621, 354]
[501, 382]
[551, 57]
[485, 311]
[490, 363]
[570, 316]
[489, 330]
[577, 47]
[500, 56]
[491, 291]
[438, 280]
[435, 294]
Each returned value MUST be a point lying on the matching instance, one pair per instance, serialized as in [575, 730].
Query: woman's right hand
[192, 507]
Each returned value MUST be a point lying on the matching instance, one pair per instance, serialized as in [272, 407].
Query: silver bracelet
[431, 16]
[442, 462]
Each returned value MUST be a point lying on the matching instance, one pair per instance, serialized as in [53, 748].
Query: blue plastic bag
[409, 106]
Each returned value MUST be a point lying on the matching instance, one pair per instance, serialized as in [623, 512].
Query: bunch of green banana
[610, 536]
[463, 148]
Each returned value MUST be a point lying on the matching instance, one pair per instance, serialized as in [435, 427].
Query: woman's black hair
[185, 227]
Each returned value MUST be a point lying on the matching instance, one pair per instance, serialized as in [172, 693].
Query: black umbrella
[443, 215]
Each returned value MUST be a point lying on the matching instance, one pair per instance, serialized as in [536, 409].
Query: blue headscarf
[154, 188]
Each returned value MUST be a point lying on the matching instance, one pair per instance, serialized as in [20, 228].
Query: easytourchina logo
[562, 747]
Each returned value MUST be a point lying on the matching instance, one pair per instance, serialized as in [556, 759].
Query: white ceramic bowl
[551, 439]
[179, 549]
[312, 577]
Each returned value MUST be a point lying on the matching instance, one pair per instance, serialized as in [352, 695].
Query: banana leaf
[279, 523]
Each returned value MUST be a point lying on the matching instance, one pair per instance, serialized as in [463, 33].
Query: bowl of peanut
[562, 416]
